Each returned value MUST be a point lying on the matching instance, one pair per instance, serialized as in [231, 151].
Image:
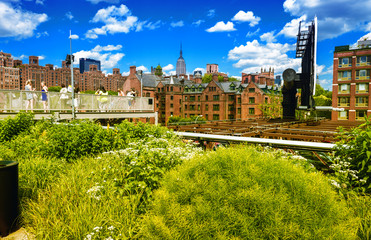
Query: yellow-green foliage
[245, 193]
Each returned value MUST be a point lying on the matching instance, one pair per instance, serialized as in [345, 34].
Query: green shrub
[244, 193]
[11, 127]
[95, 198]
[352, 158]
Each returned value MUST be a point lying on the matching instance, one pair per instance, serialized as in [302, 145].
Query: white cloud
[107, 48]
[252, 56]
[222, 27]
[21, 57]
[197, 23]
[248, 16]
[98, 1]
[42, 34]
[211, 13]
[15, 22]
[172, 73]
[143, 68]
[250, 34]
[41, 57]
[268, 37]
[116, 19]
[291, 28]
[69, 15]
[74, 36]
[177, 24]
[148, 25]
[203, 70]
[108, 59]
[41, 2]
[365, 37]
[168, 67]
[335, 17]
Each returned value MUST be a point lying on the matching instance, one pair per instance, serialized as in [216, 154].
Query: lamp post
[72, 82]
[141, 89]
[197, 118]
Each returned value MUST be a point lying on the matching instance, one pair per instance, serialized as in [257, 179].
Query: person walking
[44, 96]
[63, 97]
[29, 95]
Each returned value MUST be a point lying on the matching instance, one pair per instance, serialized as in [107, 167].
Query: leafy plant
[11, 127]
[244, 193]
[352, 158]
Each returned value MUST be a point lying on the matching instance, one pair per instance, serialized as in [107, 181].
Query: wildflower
[111, 228]
[362, 181]
[334, 183]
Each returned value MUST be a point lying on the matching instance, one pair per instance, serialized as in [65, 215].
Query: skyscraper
[86, 62]
[180, 64]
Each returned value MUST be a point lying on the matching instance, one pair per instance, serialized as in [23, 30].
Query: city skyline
[241, 36]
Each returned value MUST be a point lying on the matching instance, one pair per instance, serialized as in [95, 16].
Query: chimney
[133, 70]
[215, 77]
[116, 71]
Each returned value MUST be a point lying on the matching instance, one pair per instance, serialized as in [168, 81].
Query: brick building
[14, 74]
[214, 101]
[264, 77]
[9, 75]
[351, 82]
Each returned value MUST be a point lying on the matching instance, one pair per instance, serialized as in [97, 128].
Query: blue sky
[239, 35]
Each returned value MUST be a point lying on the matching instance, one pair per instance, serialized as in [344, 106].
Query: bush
[11, 127]
[352, 159]
[243, 193]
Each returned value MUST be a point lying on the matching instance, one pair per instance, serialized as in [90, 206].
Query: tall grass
[241, 193]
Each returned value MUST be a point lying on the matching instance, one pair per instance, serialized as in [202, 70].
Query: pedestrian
[63, 97]
[29, 95]
[76, 99]
[44, 96]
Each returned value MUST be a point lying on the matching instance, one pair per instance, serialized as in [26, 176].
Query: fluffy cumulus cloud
[268, 37]
[335, 17]
[177, 24]
[222, 27]
[143, 68]
[203, 70]
[15, 22]
[116, 20]
[168, 67]
[291, 28]
[74, 36]
[254, 55]
[104, 54]
[248, 16]
[107, 1]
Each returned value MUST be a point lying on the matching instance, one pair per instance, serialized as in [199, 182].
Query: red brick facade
[351, 86]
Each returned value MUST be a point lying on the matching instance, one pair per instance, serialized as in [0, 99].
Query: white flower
[334, 183]
[111, 228]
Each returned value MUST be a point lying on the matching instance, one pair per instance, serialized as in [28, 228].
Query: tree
[273, 107]
[54, 89]
[207, 78]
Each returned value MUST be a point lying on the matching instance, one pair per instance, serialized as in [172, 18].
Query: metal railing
[16, 100]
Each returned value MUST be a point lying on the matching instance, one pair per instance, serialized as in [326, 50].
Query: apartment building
[351, 82]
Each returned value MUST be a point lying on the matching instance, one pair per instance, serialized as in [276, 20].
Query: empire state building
[180, 64]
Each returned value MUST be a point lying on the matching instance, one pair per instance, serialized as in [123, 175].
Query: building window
[231, 97]
[363, 74]
[343, 115]
[251, 90]
[207, 98]
[345, 62]
[171, 88]
[185, 98]
[185, 115]
[251, 111]
[238, 110]
[215, 116]
[216, 107]
[207, 107]
[362, 88]
[344, 88]
[186, 89]
[266, 100]
[230, 116]
[361, 114]
[230, 107]
[199, 98]
[186, 107]
[216, 97]
[207, 116]
[191, 107]
[171, 113]
[171, 97]
[344, 75]
[192, 98]
[239, 100]
[343, 101]
[251, 100]
[180, 101]
[361, 101]
[171, 105]
[363, 61]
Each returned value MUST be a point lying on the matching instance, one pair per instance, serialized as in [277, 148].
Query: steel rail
[301, 145]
